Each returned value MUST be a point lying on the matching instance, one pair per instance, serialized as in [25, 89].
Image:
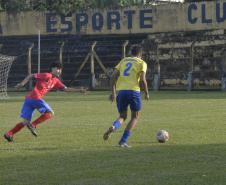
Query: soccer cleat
[108, 133]
[8, 137]
[32, 129]
[124, 145]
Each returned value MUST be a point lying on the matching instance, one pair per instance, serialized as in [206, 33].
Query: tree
[15, 5]
[64, 6]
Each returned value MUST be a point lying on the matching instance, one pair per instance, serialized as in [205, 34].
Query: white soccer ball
[162, 136]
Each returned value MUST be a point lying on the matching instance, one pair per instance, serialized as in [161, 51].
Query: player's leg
[121, 119]
[135, 106]
[9, 135]
[115, 125]
[128, 130]
[46, 113]
[26, 115]
[44, 117]
[122, 105]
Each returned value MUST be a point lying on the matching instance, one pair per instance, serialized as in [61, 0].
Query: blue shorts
[30, 105]
[128, 97]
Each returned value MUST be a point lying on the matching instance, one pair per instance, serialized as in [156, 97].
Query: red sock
[42, 118]
[16, 129]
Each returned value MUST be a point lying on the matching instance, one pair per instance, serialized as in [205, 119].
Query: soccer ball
[162, 136]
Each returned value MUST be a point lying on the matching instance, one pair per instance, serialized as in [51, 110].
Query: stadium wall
[169, 17]
[179, 39]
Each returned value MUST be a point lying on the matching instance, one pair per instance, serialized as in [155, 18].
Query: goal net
[5, 65]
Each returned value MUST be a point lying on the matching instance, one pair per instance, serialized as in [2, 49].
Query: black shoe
[8, 137]
[108, 133]
[32, 129]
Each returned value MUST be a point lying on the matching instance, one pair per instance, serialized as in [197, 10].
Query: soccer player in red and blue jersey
[34, 100]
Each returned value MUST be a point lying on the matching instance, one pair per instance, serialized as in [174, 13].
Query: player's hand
[112, 97]
[146, 97]
[83, 90]
[19, 85]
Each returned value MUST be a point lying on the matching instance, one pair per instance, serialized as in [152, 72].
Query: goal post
[5, 65]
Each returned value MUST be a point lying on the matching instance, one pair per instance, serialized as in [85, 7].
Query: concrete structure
[184, 43]
[168, 17]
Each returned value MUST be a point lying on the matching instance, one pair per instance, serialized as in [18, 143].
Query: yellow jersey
[130, 69]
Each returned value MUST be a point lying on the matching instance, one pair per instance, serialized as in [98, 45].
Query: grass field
[70, 151]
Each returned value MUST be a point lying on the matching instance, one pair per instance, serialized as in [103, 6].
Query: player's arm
[24, 82]
[113, 81]
[144, 84]
[60, 86]
[79, 90]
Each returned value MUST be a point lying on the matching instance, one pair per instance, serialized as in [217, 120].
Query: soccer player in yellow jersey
[126, 80]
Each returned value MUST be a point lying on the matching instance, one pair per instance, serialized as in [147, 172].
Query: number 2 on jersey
[127, 69]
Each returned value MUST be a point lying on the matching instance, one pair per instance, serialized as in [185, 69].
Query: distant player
[126, 79]
[33, 101]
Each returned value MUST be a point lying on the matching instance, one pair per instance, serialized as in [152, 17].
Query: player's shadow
[104, 164]
[41, 149]
[35, 149]
[103, 96]
[174, 95]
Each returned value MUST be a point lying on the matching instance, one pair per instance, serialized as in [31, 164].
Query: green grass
[70, 151]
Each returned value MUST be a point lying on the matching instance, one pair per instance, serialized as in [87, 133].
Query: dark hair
[55, 64]
[135, 50]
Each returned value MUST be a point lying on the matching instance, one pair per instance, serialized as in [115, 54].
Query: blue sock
[125, 136]
[116, 124]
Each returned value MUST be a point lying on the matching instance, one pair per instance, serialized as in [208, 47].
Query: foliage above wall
[64, 6]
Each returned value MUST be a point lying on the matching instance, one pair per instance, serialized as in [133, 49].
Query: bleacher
[75, 49]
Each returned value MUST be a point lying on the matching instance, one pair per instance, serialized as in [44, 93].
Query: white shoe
[32, 129]
[124, 145]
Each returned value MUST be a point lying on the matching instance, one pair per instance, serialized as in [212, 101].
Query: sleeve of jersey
[118, 66]
[144, 67]
[59, 85]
